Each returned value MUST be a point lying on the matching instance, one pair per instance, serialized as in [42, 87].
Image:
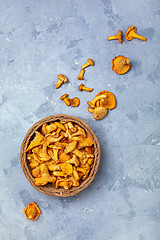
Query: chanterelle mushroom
[131, 33]
[110, 100]
[116, 37]
[61, 79]
[99, 113]
[45, 177]
[74, 102]
[32, 211]
[121, 64]
[38, 140]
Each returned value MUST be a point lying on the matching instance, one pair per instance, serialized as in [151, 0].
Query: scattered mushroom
[110, 100]
[90, 62]
[99, 113]
[82, 87]
[32, 211]
[121, 64]
[65, 99]
[80, 77]
[131, 33]
[116, 37]
[75, 102]
[61, 79]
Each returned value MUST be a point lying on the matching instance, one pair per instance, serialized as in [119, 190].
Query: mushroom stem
[113, 38]
[67, 102]
[125, 61]
[135, 35]
[58, 84]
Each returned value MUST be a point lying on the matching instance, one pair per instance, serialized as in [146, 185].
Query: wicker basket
[49, 189]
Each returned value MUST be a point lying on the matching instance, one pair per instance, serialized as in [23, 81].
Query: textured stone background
[40, 39]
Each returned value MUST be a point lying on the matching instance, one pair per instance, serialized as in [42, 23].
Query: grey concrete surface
[40, 39]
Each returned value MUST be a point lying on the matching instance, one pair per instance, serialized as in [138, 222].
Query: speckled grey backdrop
[40, 39]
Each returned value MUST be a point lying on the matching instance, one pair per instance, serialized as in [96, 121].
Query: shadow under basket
[49, 188]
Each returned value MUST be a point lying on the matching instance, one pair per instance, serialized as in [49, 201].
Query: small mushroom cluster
[74, 102]
[99, 106]
[130, 34]
[61, 153]
[121, 64]
[89, 63]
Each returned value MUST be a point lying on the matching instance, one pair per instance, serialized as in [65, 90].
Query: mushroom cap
[74, 102]
[64, 96]
[120, 36]
[32, 211]
[121, 64]
[110, 100]
[91, 61]
[62, 77]
[80, 87]
[80, 78]
[99, 113]
[128, 34]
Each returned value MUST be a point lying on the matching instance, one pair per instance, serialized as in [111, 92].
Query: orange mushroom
[89, 63]
[65, 99]
[75, 102]
[116, 37]
[131, 33]
[121, 64]
[82, 87]
[32, 211]
[110, 100]
[38, 140]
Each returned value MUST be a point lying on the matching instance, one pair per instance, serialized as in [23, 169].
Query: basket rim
[49, 189]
